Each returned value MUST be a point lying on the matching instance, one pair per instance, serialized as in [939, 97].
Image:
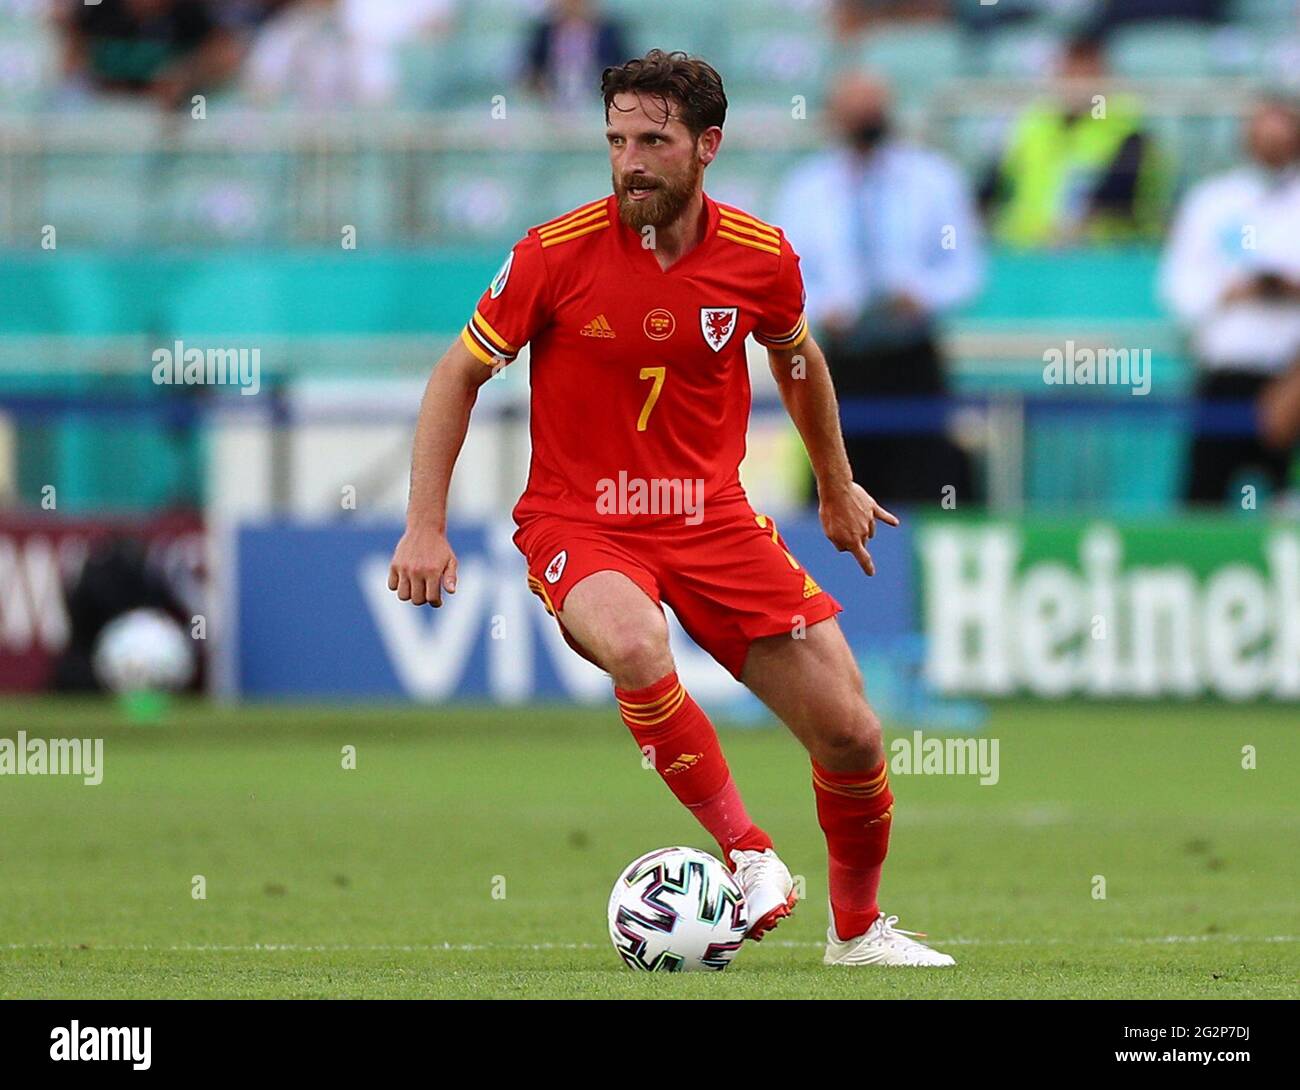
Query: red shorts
[729, 580]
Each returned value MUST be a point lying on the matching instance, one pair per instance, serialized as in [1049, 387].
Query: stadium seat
[571, 181]
[1167, 50]
[483, 200]
[430, 73]
[680, 24]
[28, 64]
[494, 17]
[480, 65]
[1015, 53]
[764, 67]
[1268, 16]
[913, 59]
[735, 13]
[213, 200]
[97, 200]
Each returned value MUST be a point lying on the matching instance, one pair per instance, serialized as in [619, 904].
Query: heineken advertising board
[1181, 608]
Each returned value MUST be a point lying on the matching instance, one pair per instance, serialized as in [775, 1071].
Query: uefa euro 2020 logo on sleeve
[498, 284]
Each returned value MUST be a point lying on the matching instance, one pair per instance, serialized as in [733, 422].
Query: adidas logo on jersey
[598, 327]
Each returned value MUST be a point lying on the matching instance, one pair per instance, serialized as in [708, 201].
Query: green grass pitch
[380, 881]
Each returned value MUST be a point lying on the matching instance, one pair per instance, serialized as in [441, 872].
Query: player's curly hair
[692, 84]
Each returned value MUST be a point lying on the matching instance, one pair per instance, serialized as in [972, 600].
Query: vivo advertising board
[315, 618]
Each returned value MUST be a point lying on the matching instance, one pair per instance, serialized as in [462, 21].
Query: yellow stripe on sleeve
[770, 237]
[492, 335]
[745, 217]
[586, 211]
[753, 243]
[554, 240]
[479, 351]
[793, 339]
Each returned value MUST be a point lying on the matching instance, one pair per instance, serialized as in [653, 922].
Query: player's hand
[849, 516]
[423, 567]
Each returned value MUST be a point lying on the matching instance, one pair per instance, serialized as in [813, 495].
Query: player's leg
[625, 633]
[813, 685]
[606, 595]
[746, 599]
[620, 627]
[607, 602]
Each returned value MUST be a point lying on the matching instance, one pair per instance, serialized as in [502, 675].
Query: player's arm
[424, 565]
[512, 309]
[848, 512]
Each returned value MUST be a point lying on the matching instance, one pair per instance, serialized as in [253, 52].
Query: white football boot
[882, 944]
[769, 889]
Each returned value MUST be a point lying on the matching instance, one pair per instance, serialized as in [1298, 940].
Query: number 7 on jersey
[658, 374]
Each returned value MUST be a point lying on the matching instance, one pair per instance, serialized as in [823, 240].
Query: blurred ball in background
[143, 651]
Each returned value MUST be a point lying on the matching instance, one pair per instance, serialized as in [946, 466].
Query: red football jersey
[638, 374]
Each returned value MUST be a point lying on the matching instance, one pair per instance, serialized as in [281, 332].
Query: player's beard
[671, 195]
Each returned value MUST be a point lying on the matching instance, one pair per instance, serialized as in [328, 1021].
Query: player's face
[657, 165]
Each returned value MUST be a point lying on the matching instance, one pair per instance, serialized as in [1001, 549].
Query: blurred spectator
[164, 48]
[305, 57]
[336, 54]
[569, 49]
[888, 239]
[1079, 167]
[1231, 273]
[382, 28]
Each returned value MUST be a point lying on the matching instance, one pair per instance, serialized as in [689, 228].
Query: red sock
[671, 729]
[855, 811]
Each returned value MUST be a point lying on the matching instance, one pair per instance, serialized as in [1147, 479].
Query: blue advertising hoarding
[315, 618]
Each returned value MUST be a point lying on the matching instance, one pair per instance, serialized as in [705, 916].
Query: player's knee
[637, 655]
[856, 743]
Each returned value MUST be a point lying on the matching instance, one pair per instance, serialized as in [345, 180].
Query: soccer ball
[144, 650]
[677, 910]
